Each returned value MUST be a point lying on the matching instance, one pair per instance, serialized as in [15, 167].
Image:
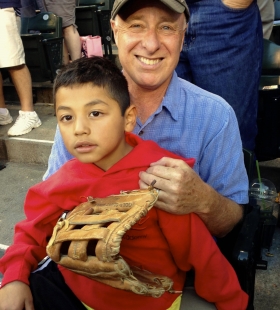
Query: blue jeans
[222, 53]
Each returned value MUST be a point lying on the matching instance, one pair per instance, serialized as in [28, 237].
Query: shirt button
[141, 133]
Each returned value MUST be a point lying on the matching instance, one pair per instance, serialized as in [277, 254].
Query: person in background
[267, 11]
[222, 53]
[12, 59]
[66, 10]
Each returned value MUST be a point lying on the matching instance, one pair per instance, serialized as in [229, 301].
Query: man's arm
[59, 155]
[182, 191]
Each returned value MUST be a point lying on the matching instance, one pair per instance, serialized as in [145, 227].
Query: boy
[95, 120]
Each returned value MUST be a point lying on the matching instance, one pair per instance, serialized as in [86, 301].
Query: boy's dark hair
[100, 72]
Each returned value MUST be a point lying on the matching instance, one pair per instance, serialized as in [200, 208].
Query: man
[177, 115]
[267, 11]
[13, 59]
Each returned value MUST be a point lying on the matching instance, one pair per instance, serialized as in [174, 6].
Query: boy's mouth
[84, 147]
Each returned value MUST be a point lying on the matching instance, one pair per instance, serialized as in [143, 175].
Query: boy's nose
[81, 127]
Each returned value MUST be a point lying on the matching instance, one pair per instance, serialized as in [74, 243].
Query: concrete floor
[267, 288]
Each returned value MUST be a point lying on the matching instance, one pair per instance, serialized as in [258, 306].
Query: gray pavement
[267, 287]
[26, 161]
[33, 147]
[15, 180]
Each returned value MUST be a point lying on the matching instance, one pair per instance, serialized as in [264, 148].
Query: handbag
[91, 46]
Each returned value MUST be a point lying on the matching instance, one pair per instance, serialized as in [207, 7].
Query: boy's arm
[192, 245]
[16, 296]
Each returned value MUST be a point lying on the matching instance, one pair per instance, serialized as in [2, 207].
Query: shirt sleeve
[221, 164]
[59, 155]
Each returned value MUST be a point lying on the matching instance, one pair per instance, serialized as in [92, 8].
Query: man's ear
[115, 30]
[130, 118]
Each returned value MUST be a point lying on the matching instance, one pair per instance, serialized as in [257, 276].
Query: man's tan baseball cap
[178, 6]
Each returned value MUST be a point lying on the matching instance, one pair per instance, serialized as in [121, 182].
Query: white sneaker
[5, 118]
[25, 122]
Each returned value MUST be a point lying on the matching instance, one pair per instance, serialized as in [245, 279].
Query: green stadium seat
[43, 45]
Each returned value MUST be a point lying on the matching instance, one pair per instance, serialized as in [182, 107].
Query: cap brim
[176, 7]
[116, 9]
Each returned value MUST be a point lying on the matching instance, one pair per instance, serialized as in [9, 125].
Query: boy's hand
[16, 296]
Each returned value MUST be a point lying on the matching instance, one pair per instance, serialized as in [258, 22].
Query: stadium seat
[43, 45]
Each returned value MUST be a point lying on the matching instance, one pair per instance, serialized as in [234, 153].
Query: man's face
[149, 37]
[91, 124]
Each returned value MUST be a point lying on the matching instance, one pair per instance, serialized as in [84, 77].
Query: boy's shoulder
[67, 171]
[152, 150]
[68, 166]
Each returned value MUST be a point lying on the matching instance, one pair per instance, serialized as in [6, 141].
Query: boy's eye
[95, 113]
[66, 118]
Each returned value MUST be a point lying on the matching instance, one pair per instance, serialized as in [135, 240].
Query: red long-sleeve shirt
[162, 243]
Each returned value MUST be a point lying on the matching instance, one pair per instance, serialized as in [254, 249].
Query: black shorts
[50, 292]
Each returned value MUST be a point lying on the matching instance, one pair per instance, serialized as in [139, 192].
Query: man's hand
[238, 4]
[182, 191]
[16, 296]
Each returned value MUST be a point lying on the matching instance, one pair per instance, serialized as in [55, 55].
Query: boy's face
[92, 126]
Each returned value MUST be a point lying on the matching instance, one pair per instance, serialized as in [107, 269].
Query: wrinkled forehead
[131, 7]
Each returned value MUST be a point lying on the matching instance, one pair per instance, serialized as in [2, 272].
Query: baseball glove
[87, 241]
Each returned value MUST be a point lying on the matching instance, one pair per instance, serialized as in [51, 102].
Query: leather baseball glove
[87, 241]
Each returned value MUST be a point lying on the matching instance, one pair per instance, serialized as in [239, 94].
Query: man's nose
[151, 40]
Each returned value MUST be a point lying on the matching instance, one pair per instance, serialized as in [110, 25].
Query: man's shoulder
[63, 179]
[196, 95]
[184, 97]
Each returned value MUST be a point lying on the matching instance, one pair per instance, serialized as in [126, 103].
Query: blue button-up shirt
[193, 123]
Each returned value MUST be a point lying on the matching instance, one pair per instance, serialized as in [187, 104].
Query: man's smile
[148, 61]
